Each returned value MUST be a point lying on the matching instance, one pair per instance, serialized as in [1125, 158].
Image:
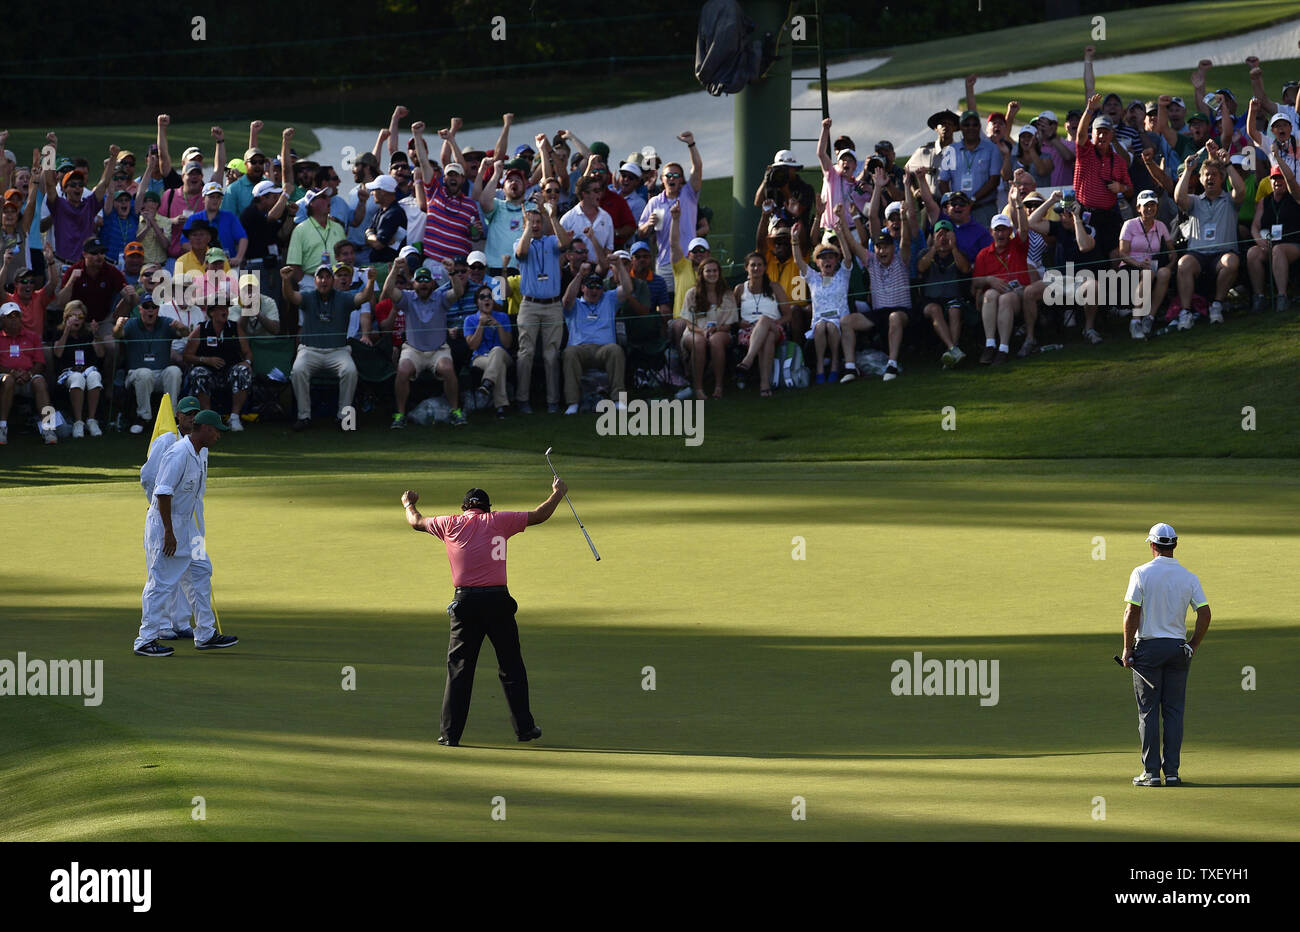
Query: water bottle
[1051, 347]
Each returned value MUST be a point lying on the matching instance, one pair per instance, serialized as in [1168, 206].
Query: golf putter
[575, 513]
[1115, 657]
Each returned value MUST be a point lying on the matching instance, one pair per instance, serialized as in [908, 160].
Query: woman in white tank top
[764, 307]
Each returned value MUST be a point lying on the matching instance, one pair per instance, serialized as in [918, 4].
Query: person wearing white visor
[1159, 653]
[1145, 247]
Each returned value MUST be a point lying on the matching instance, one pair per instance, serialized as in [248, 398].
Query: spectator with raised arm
[22, 370]
[488, 334]
[73, 212]
[828, 284]
[1211, 234]
[945, 271]
[323, 343]
[1100, 178]
[589, 311]
[685, 194]
[452, 215]
[1075, 243]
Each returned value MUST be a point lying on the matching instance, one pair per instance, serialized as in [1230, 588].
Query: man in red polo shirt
[1002, 272]
[22, 370]
[1100, 178]
[476, 549]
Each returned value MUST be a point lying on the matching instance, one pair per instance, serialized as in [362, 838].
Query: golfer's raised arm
[547, 508]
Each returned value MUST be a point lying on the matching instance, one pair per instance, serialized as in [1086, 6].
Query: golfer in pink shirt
[476, 549]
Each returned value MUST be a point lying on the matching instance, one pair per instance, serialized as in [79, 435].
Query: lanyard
[1147, 236]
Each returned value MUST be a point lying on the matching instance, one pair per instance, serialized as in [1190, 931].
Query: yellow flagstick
[165, 422]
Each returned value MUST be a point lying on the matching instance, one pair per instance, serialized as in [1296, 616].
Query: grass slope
[773, 674]
[1051, 43]
[1062, 96]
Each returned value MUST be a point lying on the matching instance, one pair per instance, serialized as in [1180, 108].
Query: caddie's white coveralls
[178, 615]
[183, 475]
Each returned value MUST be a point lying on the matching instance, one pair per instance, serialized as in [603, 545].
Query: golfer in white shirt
[1157, 649]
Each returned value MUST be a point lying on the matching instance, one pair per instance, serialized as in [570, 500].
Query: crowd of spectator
[260, 285]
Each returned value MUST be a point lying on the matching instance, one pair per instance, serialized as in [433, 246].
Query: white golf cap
[895, 207]
[9, 307]
[476, 256]
[1027, 128]
[632, 168]
[1279, 117]
[1001, 220]
[265, 187]
[454, 167]
[786, 157]
[1046, 115]
[1147, 196]
[1162, 534]
[407, 251]
[213, 187]
[192, 154]
[843, 152]
[383, 183]
[698, 241]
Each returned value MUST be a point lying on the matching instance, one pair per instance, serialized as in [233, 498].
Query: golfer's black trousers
[474, 615]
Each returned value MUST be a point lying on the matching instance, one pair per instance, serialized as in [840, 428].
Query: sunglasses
[672, 174]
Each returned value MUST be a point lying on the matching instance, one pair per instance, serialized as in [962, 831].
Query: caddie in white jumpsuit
[174, 543]
[177, 625]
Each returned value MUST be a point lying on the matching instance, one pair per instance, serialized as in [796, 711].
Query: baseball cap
[632, 168]
[969, 115]
[215, 254]
[366, 158]
[1162, 534]
[1279, 117]
[26, 274]
[1047, 115]
[1178, 101]
[955, 196]
[209, 418]
[407, 250]
[323, 270]
[476, 498]
[621, 254]
[593, 281]
[93, 246]
[342, 267]
[122, 194]
[846, 152]
[521, 149]
[639, 246]
[383, 183]
[599, 148]
[1152, 106]
[1135, 103]
[1027, 128]
[133, 248]
[1001, 220]
[697, 242]
[1073, 114]
[884, 239]
[1103, 123]
[319, 192]
[199, 223]
[188, 405]
[945, 225]
[213, 187]
[786, 157]
[147, 299]
[884, 146]
[476, 257]
[1226, 93]
[238, 165]
[423, 275]
[13, 194]
[1147, 196]
[191, 154]
[151, 196]
[193, 167]
[1110, 95]
[454, 167]
[266, 186]
[1198, 116]
[9, 307]
[995, 116]
[894, 207]
[249, 153]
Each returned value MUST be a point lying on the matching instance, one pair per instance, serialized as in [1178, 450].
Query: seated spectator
[945, 271]
[971, 236]
[1001, 274]
[100, 286]
[1276, 232]
[763, 306]
[193, 263]
[425, 310]
[149, 367]
[221, 358]
[22, 370]
[323, 339]
[154, 231]
[1075, 244]
[709, 311]
[77, 357]
[1145, 245]
[34, 301]
[593, 340]
[487, 332]
[1211, 233]
[828, 284]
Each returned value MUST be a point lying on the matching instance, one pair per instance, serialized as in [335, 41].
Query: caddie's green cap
[188, 405]
[211, 418]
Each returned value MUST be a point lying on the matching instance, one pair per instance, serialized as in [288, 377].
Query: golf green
[771, 600]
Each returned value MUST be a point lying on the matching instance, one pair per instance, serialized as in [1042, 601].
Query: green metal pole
[762, 126]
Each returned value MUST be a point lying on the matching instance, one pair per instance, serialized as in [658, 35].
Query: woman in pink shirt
[1143, 242]
[476, 549]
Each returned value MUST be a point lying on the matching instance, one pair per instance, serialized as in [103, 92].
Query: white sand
[895, 114]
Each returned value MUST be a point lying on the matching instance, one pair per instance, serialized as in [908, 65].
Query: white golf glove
[1189, 650]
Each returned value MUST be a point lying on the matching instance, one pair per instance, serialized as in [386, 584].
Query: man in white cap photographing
[1157, 650]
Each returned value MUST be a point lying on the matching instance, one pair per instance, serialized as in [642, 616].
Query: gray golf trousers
[1162, 661]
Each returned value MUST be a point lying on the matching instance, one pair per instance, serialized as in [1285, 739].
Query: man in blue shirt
[231, 233]
[541, 317]
[426, 347]
[972, 165]
[593, 336]
[487, 332]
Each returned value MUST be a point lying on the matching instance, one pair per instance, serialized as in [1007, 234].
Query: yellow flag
[165, 422]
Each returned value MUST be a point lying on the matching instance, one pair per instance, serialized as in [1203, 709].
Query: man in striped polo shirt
[1157, 650]
[450, 210]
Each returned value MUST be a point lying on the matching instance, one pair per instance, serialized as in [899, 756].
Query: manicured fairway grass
[1063, 96]
[773, 674]
[1049, 43]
